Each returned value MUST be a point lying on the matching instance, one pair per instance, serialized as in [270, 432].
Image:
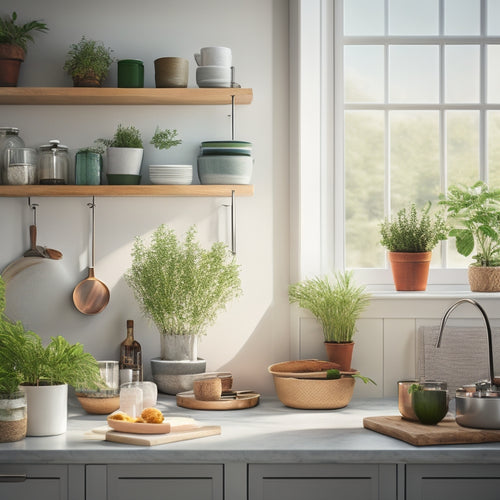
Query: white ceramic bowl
[225, 169]
[213, 76]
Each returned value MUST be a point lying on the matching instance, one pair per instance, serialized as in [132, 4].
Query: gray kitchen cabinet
[168, 481]
[322, 481]
[43, 482]
[454, 481]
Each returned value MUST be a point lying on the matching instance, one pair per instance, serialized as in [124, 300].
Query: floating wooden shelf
[121, 96]
[115, 190]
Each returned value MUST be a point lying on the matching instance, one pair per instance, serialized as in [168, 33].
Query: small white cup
[214, 56]
[131, 400]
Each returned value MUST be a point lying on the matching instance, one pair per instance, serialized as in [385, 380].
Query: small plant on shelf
[125, 137]
[165, 139]
[88, 63]
[15, 34]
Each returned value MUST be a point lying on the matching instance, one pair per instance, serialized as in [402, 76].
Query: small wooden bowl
[207, 389]
[99, 406]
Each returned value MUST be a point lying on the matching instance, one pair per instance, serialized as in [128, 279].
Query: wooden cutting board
[171, 437]
[446, 432]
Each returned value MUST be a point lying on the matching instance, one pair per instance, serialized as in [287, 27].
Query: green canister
[88, 168]
[130, 73]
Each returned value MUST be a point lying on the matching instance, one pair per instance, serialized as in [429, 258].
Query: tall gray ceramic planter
[179, 347]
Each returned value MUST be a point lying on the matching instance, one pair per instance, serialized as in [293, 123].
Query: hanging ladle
[91, 295]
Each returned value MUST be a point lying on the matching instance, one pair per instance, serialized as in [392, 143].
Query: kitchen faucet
[488, 330]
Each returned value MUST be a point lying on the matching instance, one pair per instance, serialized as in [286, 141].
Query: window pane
[413, 17]
[493, 22]
[364, 17]
[462, 73]
[364, 182]
[462, 17]
[462, 145]
[493, 73]
[494, 148]
[414, 73]
[364, 73]
[414, 137]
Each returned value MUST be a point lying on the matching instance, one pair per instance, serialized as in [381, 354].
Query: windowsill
[430, 293]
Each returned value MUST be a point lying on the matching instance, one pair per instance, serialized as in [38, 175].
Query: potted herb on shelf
[14, 40]
[410, 238]
[88, 62]
[337, 306]
[474, 214]
[181, 287]
[124, 155]
[168, 173]
[42, 373]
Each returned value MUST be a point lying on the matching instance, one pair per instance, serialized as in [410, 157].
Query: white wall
[254, 332]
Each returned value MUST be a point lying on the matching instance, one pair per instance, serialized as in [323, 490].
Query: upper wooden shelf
[119, 190]
[112, 95]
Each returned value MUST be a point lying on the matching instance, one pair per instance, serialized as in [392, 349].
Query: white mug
[214, 56]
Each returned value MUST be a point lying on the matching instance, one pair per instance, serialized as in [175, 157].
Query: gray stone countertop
[269, 432]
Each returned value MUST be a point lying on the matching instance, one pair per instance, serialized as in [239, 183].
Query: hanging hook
[33, 206]
[92, 204]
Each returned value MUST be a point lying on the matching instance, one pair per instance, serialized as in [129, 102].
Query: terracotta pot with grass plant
[337, 305]
[410, 238]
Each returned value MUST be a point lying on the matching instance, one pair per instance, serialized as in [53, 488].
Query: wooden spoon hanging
[91, 295]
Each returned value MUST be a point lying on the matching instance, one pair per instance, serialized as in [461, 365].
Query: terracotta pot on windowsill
[410, 270]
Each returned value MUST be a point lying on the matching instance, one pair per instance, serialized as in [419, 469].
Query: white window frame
[317, 176]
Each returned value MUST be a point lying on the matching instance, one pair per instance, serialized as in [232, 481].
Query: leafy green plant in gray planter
[474, 214]
[42, 373]
[410, 238]
[337, 305]
[14, 40]
[181, 287]
[88, 62]
[124, 155]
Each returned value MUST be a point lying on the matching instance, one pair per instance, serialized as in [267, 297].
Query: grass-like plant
[125, 137]
[24, 359]
[474, 213]
[336, 305]
[165, 139]
[179, 285]
[413, 230]
[15, 34]
[88, 58]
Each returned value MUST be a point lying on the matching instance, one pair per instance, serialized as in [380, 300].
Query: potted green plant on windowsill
[474, 214]
[14, 40]
[181, 287]
[168, 173]
[410, 238]
[124, 155]
[42, 373]
[337, 306]
[88, 62]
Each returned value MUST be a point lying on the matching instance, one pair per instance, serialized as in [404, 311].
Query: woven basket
[302, 368]
[484, 279]
[314, 394]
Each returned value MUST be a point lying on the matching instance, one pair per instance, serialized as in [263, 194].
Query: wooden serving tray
[240, 401]
[417, 434]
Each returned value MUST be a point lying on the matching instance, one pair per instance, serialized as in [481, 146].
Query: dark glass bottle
[130, 357]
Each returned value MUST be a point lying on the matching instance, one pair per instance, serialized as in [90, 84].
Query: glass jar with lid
[9, 138]
[53, 163]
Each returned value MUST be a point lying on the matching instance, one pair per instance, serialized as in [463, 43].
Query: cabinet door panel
[459, 482]
[165, 482]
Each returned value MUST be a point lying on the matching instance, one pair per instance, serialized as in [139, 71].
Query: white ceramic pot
[124, 161]
[47, 409]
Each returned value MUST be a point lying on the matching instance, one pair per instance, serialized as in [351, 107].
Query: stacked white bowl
[171, 174]
[214, 67]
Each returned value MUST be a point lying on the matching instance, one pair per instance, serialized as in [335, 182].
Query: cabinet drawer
[176, 481]
[299, 481]
[457, 482]
[24, 482]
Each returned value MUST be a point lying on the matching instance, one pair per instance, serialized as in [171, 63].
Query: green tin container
[130, 73]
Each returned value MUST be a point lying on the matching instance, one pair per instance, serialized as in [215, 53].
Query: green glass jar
[130, 73]
[88, 168]
[430, 402]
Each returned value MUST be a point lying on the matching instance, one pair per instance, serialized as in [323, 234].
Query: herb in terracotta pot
[410, 238]
[88, 62]
[14, 40]
[337, 306]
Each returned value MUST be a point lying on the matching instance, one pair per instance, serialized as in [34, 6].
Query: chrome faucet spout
[486, 322]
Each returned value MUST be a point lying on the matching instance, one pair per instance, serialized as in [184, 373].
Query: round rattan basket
[314, 394]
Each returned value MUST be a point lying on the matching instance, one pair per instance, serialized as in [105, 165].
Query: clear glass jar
[21, 166]
[53, 163]
[9, 138]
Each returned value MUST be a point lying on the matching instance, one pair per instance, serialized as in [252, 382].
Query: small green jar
[130, 73]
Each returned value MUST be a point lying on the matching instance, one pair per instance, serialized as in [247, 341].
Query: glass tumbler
[110, 374]
[20, 166]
